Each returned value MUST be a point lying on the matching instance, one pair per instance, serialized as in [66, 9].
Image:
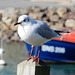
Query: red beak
[16, 23]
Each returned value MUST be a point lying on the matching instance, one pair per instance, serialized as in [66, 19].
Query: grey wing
[46, 32]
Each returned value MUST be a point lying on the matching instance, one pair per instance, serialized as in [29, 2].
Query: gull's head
[23, 20]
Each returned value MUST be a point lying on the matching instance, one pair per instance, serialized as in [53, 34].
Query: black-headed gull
[34, 32]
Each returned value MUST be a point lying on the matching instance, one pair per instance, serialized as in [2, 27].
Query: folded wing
[46, 32]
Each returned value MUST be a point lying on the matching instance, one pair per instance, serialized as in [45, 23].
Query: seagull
[34, 32]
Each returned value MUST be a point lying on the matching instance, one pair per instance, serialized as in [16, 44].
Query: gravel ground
[26, 3]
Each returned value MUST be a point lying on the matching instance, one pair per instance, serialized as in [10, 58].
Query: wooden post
[32, 68]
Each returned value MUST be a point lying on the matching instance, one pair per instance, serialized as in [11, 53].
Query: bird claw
[36, 59]
[29, 58]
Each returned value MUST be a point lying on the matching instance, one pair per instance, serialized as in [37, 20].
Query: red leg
[39, 51]
[31, 53]
[37, 58]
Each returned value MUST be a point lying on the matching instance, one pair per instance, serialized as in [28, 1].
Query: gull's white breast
[29, 35]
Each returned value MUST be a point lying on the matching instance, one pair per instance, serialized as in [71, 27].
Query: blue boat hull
[55, 51]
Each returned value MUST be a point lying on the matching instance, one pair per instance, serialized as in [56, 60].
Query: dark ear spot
[28, 19]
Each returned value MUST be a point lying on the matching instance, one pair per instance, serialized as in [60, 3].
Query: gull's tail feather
[61, 31]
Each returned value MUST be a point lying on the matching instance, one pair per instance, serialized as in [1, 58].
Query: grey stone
[70, 23]
[61, 11]
[14, 38]
[3, 26]
[33, 15]
[54, 18]
[72, 10]
[7, 20]
[69, 16]
[9, 33]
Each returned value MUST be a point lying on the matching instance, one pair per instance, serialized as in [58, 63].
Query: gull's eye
[24, 20]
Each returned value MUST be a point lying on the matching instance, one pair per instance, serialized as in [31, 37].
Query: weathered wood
[33, 68]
